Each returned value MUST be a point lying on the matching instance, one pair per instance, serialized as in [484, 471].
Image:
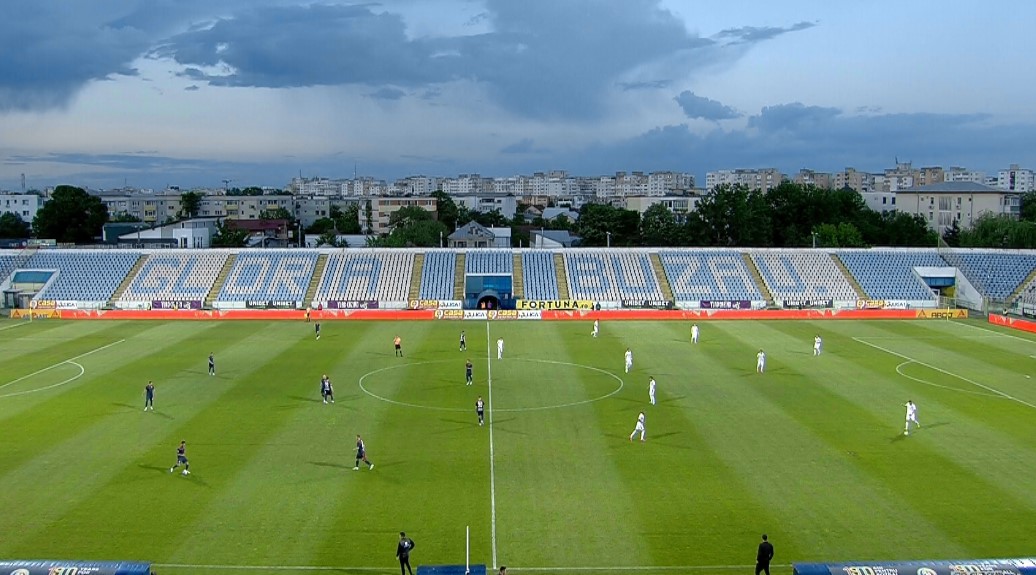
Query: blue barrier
[50, 567]
[1022, 566]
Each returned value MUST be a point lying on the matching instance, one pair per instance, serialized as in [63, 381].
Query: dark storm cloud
[794, 136]
[387, 94]
[523, 146]
[542, 58]
[696, 107]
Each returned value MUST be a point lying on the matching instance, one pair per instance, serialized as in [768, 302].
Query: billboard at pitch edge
[539, 304]
[487, 315]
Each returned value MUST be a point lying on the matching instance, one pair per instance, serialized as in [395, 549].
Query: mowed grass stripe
[904, 467]
[796, 470]
[685, 512]
[110, 386]
[935, 390]
[561, 463]
[431, 473]
[34, 352]
[138, 447]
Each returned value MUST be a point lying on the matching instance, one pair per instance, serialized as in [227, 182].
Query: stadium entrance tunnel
[489, 299]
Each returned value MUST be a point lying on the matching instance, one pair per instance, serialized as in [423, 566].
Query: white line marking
[364, 377]
[949, 373]
[13, 325]
[627, 568]
[492, 458]
[644, 568]
[993, 331]
[82, 371]
[933, 384]
[69, 360]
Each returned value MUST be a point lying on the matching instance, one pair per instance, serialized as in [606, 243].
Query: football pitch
[812, 452]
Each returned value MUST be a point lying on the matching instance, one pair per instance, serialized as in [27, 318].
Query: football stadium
[645, 411]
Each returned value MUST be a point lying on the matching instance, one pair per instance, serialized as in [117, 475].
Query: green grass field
[811, 452]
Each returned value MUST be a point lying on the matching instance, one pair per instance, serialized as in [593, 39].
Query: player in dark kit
[212, 364]
[316, 328]
[467, 372]
[463, 341]
[406, 545]
[327, 391]
[361, 454]
[480, 409]
[181, 459]
[149, 396]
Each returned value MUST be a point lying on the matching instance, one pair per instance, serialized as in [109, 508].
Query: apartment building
[763, 179]
[24, 206]
[943, 203]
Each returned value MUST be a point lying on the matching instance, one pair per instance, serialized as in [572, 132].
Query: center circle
[362, 382]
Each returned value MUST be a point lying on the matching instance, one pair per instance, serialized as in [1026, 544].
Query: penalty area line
[943, 371]
[70, 360]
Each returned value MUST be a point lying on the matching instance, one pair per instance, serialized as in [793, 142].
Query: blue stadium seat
[803, 275]
[367, 275]
[889, 274]
[611, 276]
[437, 276]
[994, 274]
[716, 275]
[175, 275]
[269, 275]
[85, 275]
[540, 276]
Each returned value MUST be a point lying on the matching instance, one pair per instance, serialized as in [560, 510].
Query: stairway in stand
[849, 276]
[458, 278]
[220, 280]
[663, 280]
[126, 281]
[517, 278]
[314, 280]
[415, 278]
[758, 278]
[559, 270]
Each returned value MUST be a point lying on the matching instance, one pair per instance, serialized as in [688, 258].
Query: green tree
[412, 226]
[952, 235]
[278, 213]
[559, 222]
[447, 209]
[597, 221]
[71, 216]
[658, 227]
[1028, 212]
[907, 230]
[190, 204]
[13, 226]
[322, 225]
[491, 219]
[368, 218]
[227, 236]
[999, 231]
[329, 238]
[731, 216]
[841, 235]
[348, 220]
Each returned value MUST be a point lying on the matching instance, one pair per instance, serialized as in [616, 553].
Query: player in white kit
[639, 428]
[818, 345]
[694, 333]
[597, 328]
[911, 416]
[651, 390]
[629, 360]
[760, 361]
[500, 348]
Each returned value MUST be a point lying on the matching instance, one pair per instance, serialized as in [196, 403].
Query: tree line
[788, 215]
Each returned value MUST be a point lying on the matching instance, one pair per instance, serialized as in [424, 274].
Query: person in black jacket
[406, 545]
[763, 557]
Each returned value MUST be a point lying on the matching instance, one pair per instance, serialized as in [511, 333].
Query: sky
[189, 93]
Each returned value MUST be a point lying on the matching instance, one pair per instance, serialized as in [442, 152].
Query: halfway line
[492, 458]
[949, 373]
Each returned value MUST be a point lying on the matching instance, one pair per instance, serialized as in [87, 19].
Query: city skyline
[189, 93]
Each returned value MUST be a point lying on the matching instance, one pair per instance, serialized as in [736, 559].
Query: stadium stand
[709, 275]
[367, 275]
[994, 274]
[269, 275]
[889, 274]
[488, 262]
[7, 263]
[84, 275]
[175, 275]
[438, 275]
[799, 275]
[540, 276]
[611, 276]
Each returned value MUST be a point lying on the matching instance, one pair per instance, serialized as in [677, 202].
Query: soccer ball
[906, 433]
[185, 472]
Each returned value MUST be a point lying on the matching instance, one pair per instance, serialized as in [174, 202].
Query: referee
[406, 544]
